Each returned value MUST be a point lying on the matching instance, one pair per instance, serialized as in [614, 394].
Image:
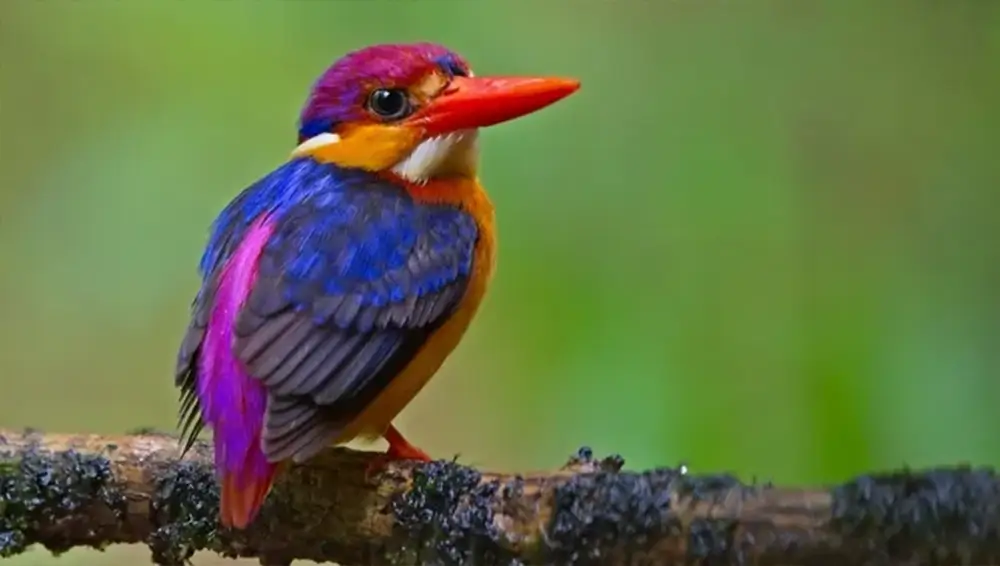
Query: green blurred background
[762, 238]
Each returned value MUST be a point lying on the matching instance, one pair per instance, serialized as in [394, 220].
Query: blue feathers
[452, 65]
[347, 234]
[315, 127]
[353, 279]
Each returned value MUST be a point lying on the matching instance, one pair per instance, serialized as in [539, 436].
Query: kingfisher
[334, 287]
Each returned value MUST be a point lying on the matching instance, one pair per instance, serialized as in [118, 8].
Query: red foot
[399, 449]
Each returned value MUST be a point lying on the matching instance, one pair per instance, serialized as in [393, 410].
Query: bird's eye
[390, 104]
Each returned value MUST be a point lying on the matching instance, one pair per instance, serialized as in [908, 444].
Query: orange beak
[479, 102]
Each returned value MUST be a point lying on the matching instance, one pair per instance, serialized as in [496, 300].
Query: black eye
[388, 103]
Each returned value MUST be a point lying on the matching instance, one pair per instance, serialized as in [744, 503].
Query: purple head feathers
[339, 94]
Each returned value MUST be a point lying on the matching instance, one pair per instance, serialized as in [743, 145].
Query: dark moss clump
[600, 513]
[608, 512]
[907, 515]
[184, 512]
[713, 541]
[448, 513]
[39, 488]
[585, 456]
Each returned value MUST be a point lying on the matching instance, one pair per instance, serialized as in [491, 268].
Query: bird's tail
[241, 496]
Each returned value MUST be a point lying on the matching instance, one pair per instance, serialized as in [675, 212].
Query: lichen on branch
[63, 491]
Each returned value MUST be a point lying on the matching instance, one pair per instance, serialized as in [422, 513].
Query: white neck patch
[316, 141]
[434, 155]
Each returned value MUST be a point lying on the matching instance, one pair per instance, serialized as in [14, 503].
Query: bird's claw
[395, 453]
[399, 449]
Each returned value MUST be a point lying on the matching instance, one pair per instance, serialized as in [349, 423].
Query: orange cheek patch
[374, 147]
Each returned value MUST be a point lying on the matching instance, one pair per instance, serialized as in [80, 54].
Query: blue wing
[349, 287]
[355, 277]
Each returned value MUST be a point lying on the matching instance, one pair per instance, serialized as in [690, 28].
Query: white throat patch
[450, 153]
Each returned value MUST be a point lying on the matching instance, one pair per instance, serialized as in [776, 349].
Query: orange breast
[377, 416]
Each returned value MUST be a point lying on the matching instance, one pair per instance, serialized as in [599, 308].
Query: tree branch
[64, 491]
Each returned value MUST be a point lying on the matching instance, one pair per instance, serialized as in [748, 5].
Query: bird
[334, 287]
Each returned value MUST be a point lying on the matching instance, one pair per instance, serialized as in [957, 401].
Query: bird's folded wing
[347, 290]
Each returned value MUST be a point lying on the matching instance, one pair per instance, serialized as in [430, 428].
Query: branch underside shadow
[64, 491]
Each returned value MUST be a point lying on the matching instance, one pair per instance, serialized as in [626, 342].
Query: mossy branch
[63, 491]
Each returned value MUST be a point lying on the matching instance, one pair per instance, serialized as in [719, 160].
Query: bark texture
[63, 491]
